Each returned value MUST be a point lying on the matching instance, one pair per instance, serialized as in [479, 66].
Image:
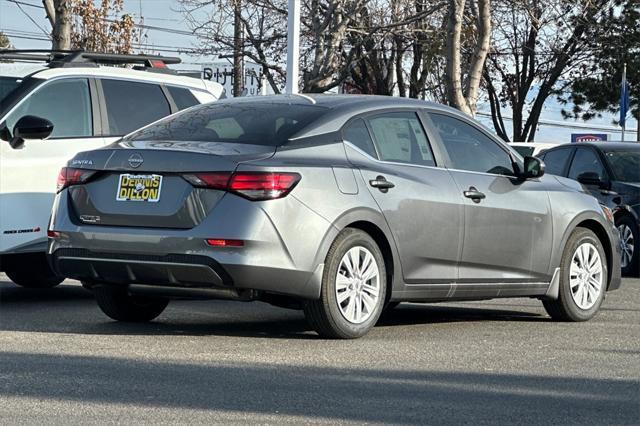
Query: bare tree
[463, 90]
[537, 50]
[59, 16]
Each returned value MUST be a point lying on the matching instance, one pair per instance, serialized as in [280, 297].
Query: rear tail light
[255, 186]
[69, 176]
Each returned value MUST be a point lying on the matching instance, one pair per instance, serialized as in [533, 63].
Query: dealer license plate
[139, 188]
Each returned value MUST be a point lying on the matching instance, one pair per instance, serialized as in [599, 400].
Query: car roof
[607, 146]
[123, 73]
[340, 108]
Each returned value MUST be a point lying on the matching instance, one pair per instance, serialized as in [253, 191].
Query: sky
[26, 22]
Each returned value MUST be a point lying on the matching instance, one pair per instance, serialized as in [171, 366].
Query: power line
[32, 20]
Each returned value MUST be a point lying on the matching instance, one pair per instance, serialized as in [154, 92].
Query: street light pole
[238, 47]
[293, 46]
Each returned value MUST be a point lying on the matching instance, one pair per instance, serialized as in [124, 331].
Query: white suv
[89, 105]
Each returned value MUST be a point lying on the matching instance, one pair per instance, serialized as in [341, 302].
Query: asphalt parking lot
[63, 361]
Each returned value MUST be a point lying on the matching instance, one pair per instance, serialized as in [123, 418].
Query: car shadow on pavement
[72, 309]
[333, 393]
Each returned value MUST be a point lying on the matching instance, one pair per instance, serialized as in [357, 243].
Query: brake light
[255, 186]
[69, 176]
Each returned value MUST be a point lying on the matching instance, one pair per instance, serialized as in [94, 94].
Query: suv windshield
[8, 85]
[625, 165]
[255, 123]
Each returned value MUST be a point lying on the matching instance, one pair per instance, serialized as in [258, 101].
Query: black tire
[565, 307]
[391, 306]
[631, 269]
[117, 304]
[33, 271]
[324, 314]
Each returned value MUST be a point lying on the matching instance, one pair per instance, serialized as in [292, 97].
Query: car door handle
[474, 194]
[381, 183]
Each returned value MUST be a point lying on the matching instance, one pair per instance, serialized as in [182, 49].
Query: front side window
[556, 161]
[66, 103]
[131, 105]
[357, 134]
[469, 148]
[585, 161]
[400, 138]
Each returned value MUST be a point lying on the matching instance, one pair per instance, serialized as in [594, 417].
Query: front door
[508, 225]
[419, 200]
[28, 175]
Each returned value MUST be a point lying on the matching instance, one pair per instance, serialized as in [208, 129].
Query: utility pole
[238, 48]
[293, 46]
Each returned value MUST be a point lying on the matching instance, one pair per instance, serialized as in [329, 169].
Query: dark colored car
[611, 173]
[337, 205]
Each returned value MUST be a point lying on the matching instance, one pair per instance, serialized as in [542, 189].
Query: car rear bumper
[275, 257]
[185, 272]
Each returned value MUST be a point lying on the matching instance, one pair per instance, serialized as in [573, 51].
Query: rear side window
[183, 98]
[357, 134]
[256, 123]
[131, 105]
[65, 102]
[400, 138]
[556, 161]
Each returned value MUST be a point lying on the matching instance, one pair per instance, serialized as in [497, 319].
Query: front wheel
[583, 279]
[117, 304]
[353, 288]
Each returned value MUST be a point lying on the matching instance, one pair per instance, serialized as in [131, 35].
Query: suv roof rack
[80, 58]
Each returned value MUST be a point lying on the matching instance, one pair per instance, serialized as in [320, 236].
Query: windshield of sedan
[625, 165]
[255, 123]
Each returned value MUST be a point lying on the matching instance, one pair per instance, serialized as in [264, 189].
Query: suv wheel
[628, 230]
[353, 288]
[119, 305]
[583, 279]
[34, 273]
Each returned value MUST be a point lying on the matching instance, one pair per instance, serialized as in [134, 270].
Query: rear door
[28, 175]
[507, 221]
[419, 200]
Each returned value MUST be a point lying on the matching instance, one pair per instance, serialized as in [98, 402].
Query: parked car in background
[76, 104]
[532, 149]
[611, 173]
[337, 205]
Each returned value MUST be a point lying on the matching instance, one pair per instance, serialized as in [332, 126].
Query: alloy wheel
[627, 243]
[586, 276]
[357, 285]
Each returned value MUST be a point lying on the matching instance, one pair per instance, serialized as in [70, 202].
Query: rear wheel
[33, 271]
[583, 279]
[628, 230]
[353, 288]
[119, 305]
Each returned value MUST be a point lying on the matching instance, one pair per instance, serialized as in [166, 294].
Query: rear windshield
[258, 123]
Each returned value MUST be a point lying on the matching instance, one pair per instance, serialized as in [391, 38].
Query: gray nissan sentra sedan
[338, 205]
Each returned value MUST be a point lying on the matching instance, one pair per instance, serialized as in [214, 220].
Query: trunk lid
[153, 170]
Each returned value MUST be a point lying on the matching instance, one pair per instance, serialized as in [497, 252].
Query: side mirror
[30, 127]
[591, 179]
[533, 168]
